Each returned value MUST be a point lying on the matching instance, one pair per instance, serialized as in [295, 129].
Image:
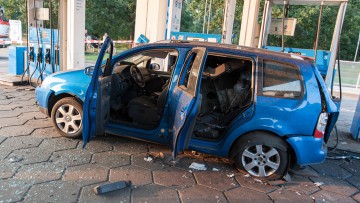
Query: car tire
[262, 155]
[66, 116]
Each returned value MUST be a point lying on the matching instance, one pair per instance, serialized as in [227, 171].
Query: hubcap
[68, 119]
[260, 160]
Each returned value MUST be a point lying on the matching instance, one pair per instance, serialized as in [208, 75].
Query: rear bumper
[308, 150]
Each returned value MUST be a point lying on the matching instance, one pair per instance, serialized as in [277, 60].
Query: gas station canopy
[309, 2]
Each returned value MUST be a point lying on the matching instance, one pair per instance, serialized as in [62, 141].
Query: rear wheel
[66, 116]
[262, 155]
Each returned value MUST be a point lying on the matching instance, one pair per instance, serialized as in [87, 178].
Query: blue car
[267, 111]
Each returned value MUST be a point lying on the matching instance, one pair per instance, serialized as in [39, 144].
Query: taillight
[321, 125]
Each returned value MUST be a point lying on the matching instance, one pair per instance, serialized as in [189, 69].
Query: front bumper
[308, 150]
[42, 98]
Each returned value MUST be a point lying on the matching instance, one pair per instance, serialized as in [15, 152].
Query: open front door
[97, 98]
[186, 100]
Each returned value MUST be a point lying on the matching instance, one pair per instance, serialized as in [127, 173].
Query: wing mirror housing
[89, 70]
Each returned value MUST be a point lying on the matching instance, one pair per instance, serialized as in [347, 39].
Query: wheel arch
[56, 97]
[271, 137]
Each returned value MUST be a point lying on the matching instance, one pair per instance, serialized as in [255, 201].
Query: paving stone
[45, 133]
[216, 180]
[137, 175]
[111, 159]
[96, 146]
[24, 103]
[25, 109]
[33, 115]
[8, 169]
[71, 157]
[336, 185]
[286, 195]
[31, 155]
[331, 169]
[131, 147]
[86, 174]
[255, 184]
[21, 142]
[4, 122]
[221, 164]
[2, 138]
[138, 160]
[157, 148]
[353, 167]
[88, 195]
[154, 194]
[327, 196]
[12, 190]
[58, 144]
[6, 108]
[39, 173]
[199, 194]
[9, 114]
[40, 123]
[301, 184]
[13, 131]
[356, 197]
[173, 177]
[4, 152]
[55, 191]
[242, 194]
[355, 181]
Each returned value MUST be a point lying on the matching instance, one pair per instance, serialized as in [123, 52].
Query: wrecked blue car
[266, 110]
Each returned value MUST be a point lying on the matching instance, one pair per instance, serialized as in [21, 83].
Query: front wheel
[263, 156]
[66, 116]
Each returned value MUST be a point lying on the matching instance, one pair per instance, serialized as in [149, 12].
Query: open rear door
[186, 100]
[97, 98]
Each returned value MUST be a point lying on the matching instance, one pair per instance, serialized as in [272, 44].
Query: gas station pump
[43, 53]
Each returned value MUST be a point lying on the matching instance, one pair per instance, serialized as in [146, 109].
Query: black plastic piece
[31, 54]
[111, 187]
[47, 56]
[39, 56]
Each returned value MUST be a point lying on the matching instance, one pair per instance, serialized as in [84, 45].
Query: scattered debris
[247, 175]
[199, 167]
[230, 175]
[190, 171]
[259, 181]
[287, 177]
[15, 159]
[276, 182]
[318, 184]
[215, 169]
[148, 159]
[111, 187]
[184, 176]
[298, 193]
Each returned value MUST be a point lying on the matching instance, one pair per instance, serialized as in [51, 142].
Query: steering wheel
[137, 76]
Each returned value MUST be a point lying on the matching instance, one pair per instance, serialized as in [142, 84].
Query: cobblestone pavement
[36, 165]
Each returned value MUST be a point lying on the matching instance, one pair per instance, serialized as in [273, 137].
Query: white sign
[174, 17]
[15, 30]
[289, 25]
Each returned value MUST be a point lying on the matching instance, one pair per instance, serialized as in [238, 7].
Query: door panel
[97, 98]
[186, 100]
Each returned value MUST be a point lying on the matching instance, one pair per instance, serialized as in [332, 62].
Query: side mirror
[89, 70]
[154, 66]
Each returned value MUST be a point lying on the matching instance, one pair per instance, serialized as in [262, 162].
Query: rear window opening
[226, 92]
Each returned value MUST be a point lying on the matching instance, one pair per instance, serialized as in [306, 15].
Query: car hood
[71, 77]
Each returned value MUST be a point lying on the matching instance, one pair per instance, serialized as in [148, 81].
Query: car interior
[140, 86]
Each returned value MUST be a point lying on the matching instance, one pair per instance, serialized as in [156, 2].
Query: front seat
[145, 111]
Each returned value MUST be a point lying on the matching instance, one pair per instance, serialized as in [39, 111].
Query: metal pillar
[228, 24]
[249, 23]
[334, 44]
[151, 19]
[72, 33]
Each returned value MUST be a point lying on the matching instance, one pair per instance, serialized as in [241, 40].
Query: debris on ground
[258, 180]
[287, 177]
[298, 193]
[230, 175]
[247, 175]
[215, 169]
[199, 167]
[318, 184]
[148, 159]
[99, 190]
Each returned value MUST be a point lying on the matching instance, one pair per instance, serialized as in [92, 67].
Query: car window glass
[281, 80]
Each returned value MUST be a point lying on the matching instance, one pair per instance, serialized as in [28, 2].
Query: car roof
[230, 47]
